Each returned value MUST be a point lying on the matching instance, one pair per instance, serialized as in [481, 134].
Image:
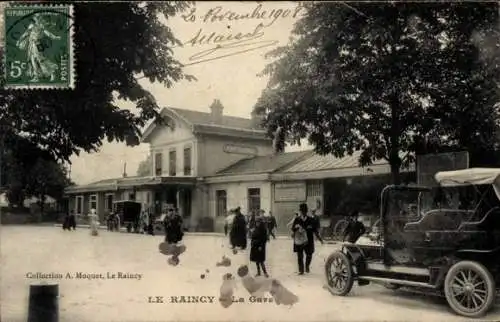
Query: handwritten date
[219, 14]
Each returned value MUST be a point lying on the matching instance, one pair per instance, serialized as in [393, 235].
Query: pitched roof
[204, 118]
[318, 162]
[203, 122]
[264, 164]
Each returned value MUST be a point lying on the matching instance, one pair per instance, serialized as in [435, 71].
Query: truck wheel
[339, 273]
[469, 289]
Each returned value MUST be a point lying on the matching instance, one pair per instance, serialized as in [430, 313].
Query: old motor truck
[450, 246]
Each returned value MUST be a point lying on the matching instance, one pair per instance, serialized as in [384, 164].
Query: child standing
[258, 246]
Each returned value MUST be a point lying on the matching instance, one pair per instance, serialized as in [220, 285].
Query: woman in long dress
[94, 223]
[173, 227]
[38, 64]
[238, 234]
[258, 246]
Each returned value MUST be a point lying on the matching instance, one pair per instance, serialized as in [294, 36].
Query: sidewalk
[124, 230]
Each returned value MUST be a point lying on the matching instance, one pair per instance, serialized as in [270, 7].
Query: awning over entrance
[131, 183]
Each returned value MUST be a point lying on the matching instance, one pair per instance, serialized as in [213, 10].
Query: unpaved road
[26, 249]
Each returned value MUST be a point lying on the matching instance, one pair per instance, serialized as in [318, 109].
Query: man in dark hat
[354, 229]
[304, 229]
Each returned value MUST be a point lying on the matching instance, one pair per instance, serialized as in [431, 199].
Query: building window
[158, 161]
[108, 202]
[93, 202]
[221, 202]
[131, 196]
[187, 161]
[253, 199]
[172, 156]
[79, 205]
[313, 189]
[148, 197]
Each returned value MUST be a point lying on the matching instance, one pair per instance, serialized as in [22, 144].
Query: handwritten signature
[227, 45]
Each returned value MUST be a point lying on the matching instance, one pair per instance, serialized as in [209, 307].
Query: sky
[232, 79]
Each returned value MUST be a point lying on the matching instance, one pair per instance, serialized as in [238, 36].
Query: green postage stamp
[39, 47]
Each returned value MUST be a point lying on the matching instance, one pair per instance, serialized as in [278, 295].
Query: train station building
[205, 163]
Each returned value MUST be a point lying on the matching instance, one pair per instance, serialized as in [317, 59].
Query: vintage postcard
[249, 161]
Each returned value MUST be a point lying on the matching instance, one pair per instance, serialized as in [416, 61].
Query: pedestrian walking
[94, 223]
[72, 220]
[271, 224]
[258, 245]
[151, 222]
[238, 234]
[65, 225]
[144, 221]
[173, 227]
[251, 221]
[117, 221]
[228, 222]
[304, 229]
[110, 221]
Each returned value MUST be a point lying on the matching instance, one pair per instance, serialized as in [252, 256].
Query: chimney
[125, 170]
[216, 111]
[257, 120]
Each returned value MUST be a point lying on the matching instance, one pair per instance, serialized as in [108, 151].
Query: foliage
[145, 167]
[390, 79]
[28, 171]
[116, 44]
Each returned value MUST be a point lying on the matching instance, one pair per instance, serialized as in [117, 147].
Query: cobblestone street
[46, 250]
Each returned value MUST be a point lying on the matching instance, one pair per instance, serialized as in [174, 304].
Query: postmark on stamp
[39, 47]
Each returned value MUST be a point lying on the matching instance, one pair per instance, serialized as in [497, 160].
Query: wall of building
[216, 153]
[237, 196]
[166, 139]
[287, 196]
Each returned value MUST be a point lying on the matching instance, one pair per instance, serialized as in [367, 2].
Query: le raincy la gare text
[195, 299]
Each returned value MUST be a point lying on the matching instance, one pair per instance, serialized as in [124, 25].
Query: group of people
[259, 227]
[113, 222]
[256, 227]
[69, 222]
[173, 226]
[146, 223]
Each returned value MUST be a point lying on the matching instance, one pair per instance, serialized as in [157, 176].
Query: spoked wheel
[469, 289]
[339, 229]
[339, 273]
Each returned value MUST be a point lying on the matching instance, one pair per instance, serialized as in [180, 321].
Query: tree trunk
[396, 174]
[394, 159]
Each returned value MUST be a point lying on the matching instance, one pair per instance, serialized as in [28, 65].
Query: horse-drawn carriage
[450, 245]
[129, 214]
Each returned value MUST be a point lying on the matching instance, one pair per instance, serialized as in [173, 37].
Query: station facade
[205, 163]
